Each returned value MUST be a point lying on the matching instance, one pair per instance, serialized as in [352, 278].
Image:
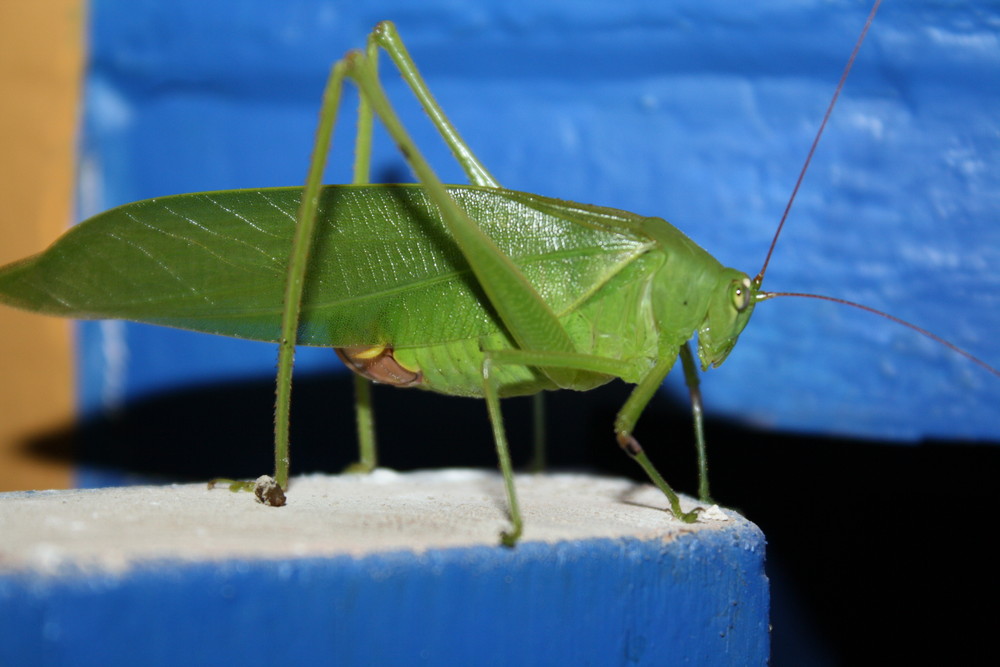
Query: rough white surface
[113, 528]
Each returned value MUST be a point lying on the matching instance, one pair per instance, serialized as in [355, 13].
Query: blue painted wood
[699, 112]
[698, 600]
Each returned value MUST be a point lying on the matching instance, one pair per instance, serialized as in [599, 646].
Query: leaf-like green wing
[382, 270]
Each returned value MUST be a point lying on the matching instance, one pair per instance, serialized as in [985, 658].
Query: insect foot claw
[234, 485]
[689, 517]
[510, 539]
[268, 491]
[358, 468]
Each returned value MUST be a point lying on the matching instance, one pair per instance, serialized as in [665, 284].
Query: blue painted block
[183, 575]
[698, 112]
[538, 605]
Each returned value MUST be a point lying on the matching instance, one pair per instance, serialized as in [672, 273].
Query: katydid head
[732, 302]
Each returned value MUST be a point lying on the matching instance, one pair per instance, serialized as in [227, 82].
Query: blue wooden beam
[182, 575]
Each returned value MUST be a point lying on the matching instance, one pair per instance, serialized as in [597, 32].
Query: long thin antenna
[812, 149]
[763, 296]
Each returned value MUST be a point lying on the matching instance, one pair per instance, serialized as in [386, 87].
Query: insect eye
[740, 294]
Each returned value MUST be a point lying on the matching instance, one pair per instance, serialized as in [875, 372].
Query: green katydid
[520, 318]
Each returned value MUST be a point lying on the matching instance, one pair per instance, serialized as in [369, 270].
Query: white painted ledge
[325, 516]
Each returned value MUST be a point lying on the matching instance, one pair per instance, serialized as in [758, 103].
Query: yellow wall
[41, 56]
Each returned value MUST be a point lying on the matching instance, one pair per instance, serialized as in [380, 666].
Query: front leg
[627, 416]
[625, 423]
[697, 415]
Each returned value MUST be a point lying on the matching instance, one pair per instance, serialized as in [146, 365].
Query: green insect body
[624, 287]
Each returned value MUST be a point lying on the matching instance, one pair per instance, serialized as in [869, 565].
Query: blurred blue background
[698, 112]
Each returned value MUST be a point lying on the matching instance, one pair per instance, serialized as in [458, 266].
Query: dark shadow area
[874, 549]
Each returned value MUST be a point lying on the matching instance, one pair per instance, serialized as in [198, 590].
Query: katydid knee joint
[629, 444]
